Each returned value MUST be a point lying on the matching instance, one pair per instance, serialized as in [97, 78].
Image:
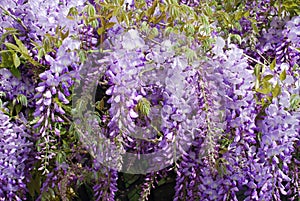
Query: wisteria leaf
[15, 72]
[282, 75]
[276, 91]
[22, 99]
[12, 46]
[7, 61]
[16, 60]
[265, 90]
[273, 64]
[18, 108]
[267, 78]
[22, 47]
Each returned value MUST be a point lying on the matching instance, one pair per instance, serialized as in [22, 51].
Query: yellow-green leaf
[267, 78]
[21, 46]
[282, 75]
[126, 18]
[276, 91]
[15, 72]
[257, 69]
[266, 89]
[100, 30]
[91, 11]
[152, 9]
[273, 64]
[12, 46]
[109, 25]
[16, 60]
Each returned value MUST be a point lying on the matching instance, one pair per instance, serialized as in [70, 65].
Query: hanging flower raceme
[15, 152]
[152, 101]
[13, 87]
[54, 89]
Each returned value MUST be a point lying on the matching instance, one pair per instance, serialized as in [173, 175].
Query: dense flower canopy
[124, 100]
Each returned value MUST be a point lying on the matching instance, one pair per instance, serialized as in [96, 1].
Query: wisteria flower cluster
[16, 149]
[149, 100]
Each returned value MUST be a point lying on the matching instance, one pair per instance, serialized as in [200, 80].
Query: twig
[263, 57]
[154, 41]
[254, 60]
[13, 17]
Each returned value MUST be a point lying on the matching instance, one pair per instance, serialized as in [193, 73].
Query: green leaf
[91, 11]
[47, 44]
[7, 61]
[246, 14]
[257, 70]
[18, 108]
[295, 101]
[2, 94]
[256, 83]
[153, 33]
[94, 23]
[22, 99]
[101, 30]
[190, 54]
[276, 91]
[144, 107]
[10, 29]
[282, 75]
[15, 72]
[254, 27]
[109, 25]
[237, 37]
[16, 60]
[152, 9]
[12, 46]
[273, 64]
[41, 53]
[22, 47]
[64, 35]
[160, 18]
[82, 56]
[126, 18]
[238, 15]
[168, 31]
[267, 78]
[161, 182]
[34, 185]
[31, 60]
[267, 88]
[174, 11]
[60, 157]
[263, 91]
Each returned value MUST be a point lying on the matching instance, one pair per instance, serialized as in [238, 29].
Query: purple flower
[15, 151]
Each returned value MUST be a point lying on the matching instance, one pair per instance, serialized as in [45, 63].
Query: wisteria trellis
[219, 79]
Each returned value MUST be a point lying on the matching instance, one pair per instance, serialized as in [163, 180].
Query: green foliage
[273, 64]
[143, 107]
[295, 101]
[15, 54]
[290, 6]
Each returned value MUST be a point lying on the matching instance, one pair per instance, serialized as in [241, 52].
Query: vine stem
[210, 132]
[250, 58]
[13, 17]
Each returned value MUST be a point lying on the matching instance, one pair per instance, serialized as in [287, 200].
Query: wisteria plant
[149, 100]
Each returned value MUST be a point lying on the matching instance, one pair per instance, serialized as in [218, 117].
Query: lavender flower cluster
[138, 76]
[14, 157]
